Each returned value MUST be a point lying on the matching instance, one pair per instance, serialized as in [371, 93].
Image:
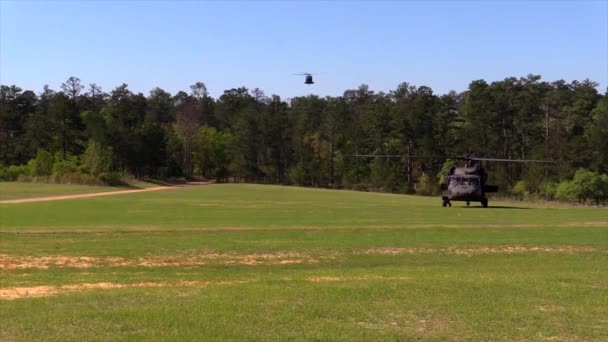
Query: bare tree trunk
[331, 160]
[523, 145]
[63, 135]
[410, 167]
[357, 159]
[546, 136]
[188, 119]
[546, 123]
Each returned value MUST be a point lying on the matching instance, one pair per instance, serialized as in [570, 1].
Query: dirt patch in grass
[15, 262]
[47, 291]
[278, 258]
[478, 250]
[154, 229]
[10, 262]
[319, 279]
[550, 308]
[593, 224]
[426, 325]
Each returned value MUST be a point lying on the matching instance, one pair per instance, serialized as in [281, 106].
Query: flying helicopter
[308, 77]
[468, 182]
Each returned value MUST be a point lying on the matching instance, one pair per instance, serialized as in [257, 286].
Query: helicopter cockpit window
[464, 181]
[470, 181]
[455, 180]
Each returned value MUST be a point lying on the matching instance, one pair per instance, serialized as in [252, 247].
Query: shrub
[62, 178]
[13, 172]
[445, 168]
[111, 178]
[62, 166]
[297, 174]
[565, 191]
[588, 185]
[377, 173]
[361, 187]
[584, 186]
[604, 182]
[75, 178]
[424, 186]
[42, 165]
[520, 189]
[548, 190]
[97, 159]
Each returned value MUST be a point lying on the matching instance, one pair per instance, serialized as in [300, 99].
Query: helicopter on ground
[468, 183]
[465, 183]
[308, 77]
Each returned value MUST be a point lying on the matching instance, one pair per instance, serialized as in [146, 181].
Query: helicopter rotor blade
[378, 155]
[389, 156]
[510, 160]
[454, 158]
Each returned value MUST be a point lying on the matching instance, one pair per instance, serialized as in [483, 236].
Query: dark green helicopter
[308, 77]
[468, 183]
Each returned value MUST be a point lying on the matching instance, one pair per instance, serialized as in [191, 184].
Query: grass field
[22, 190]
[18, 190]
[267, 262]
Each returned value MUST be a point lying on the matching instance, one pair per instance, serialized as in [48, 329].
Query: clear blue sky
[172, 44]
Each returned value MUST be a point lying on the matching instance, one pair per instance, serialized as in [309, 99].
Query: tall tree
[72, 87]
[187, 123]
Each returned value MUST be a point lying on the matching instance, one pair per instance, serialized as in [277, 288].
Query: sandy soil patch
[11, 262]
[592, 224]
[8, 262]
[480, 250]
[46, 291]
[105, 229]
[550, 308]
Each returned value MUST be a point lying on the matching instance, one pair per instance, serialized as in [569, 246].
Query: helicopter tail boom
[490, 188]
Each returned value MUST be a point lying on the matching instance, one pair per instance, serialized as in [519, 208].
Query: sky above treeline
[173, 44]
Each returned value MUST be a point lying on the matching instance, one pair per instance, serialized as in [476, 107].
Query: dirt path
[100, 194]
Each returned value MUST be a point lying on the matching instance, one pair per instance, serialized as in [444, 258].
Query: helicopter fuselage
[464, 188]
[466, 184]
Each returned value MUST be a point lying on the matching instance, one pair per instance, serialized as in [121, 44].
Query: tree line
[397, 141]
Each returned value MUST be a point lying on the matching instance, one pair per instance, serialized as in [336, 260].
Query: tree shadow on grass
[156, 182]
[128, 186]
[166, 182]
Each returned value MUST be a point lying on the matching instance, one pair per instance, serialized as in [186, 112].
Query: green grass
[281, 207]
[451, 280]
[22, 190]
[19, 190]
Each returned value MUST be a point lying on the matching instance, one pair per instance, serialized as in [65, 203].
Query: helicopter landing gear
[446, 202]
[484, 202]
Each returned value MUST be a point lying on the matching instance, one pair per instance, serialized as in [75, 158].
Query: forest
[400, 141]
